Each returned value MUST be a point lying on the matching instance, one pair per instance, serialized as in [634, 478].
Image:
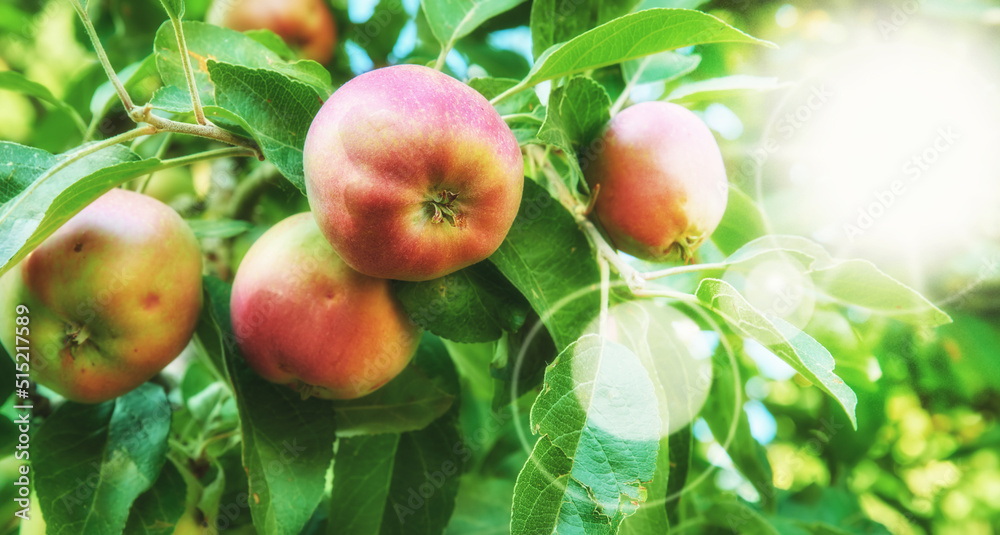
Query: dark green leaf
[287, 441]
[398, 483]
[92, 461]
[420, 394]
[576, 114]
[475, 304]
[276, 110]
[157, 510]
[548, 259]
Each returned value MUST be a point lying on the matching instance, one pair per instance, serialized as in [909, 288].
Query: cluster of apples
[410, 174]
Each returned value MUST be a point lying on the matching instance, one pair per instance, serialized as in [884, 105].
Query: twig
[694, 268]
[103, 56]
[144, 114]
[199, 113]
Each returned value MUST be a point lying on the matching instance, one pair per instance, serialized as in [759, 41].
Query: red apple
[113, 297]
[304, 318]
[411, 174]
[663, 186]
[306, 25]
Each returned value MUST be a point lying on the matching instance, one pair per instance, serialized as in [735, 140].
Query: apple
[663, 186]
[306, 25]
[303, 317]
[112, 296]
[412, 174]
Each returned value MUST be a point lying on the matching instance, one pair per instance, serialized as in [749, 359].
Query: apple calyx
[445, 210]
[76, 336]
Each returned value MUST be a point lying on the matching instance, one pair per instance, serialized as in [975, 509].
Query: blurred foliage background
[864, 88]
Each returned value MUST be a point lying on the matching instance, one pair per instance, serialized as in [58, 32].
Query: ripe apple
[663, 186]
[411, 174]
[304, 318]
[306, 25]
[113, 297]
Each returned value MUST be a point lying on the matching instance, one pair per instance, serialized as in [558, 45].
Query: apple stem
[442, 57]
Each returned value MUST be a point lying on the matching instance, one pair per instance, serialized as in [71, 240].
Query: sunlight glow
[892, 153]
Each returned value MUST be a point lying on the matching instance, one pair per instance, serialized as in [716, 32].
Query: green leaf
[738, 517]
[105, 96]
[450, 20]
[206, 42]
[576, 114]
[57, 195]
[742, 222]
[92, 461]
[523, 102]
[157, 511]
[277, 111]
[853, 282]
[482, 507]
[398, 483]
[20, 165]
[633, 36]
[15, 81]
[716, 89]
[663, 67]
[420, 394]
[174, 8]
[218, 228]
[379, 34]
[555, 21]
[861, 283]
[272, 41]
[475, 304]
[795, 347]
[287, 441]
[6, 388]
[724, 409]
[680, 460]
[173, 99]
[597, 414]
[548, 259]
